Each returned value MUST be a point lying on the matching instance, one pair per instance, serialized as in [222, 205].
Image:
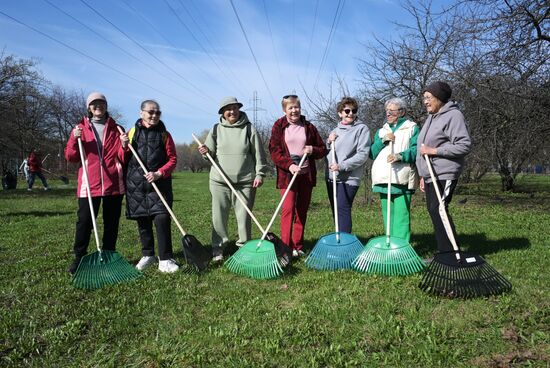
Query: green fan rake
[257, 258]
[103, 267]
[458, 274]
[336, 250]
[388, 255]
[282, 250]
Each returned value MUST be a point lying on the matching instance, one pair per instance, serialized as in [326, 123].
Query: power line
[210, 43]
[147, 51]
[252, 51]
[80, 23]
[143, 18]
[333, 27]
[311, 38]
[97, 60]
[196, 39]
[273, 43]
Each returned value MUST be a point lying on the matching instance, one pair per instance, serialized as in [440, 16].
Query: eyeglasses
[289, 96]
[393, 112]
[348, 111]
[153, 112]
[427, 98]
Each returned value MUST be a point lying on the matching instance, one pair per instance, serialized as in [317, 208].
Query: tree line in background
[34, 114]
[494, 53]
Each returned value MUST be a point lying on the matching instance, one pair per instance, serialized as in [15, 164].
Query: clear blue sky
[189, 54]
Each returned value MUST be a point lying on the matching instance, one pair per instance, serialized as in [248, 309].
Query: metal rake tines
[463, 282]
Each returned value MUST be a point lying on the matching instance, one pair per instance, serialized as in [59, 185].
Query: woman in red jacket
[291, 137]
[35, 169]
[104, 149]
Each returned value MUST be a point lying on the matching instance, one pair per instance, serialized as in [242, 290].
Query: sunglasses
[348, 111]
[289, 96]
[153, 112]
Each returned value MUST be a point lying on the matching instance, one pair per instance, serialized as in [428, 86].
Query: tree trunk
[506, 179]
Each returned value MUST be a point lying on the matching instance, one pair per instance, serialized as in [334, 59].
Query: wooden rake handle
[283, 198]
[237, 194]
[88, 193]
[442, 212]
[388, 204]
[334, 194]
[154, 186]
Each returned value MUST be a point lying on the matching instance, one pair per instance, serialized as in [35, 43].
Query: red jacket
[281, 155]
[106, 176]
[34, 162]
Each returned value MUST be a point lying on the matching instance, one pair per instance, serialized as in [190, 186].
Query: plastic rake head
[258, 262]
[396, 258]
[470, 277]
[334, 251]
[100, 269]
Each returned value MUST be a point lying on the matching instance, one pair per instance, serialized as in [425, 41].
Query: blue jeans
[345, 195]
[32, 174]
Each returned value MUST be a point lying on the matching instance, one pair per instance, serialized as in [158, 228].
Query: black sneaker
[74, 266]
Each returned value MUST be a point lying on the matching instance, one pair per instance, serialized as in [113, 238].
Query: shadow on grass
[475, 243]
[39, 213]
[37, 192]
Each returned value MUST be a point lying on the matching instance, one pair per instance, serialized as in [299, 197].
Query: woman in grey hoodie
[352, 143]
[445, 139]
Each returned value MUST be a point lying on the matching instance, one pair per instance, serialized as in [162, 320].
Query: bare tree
[494, 53]
[189, 157]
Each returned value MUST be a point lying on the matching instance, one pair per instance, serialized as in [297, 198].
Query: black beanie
[441, 90]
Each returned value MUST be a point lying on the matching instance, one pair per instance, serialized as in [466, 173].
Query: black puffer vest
[141, 198]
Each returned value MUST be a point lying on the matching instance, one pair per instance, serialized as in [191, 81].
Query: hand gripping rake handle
[155, 186]
[282, 199]
[89, 194]
[442, 212]
[237, 194]
[388, 205]
[334, 195]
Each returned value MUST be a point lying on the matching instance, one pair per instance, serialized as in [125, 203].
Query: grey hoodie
[352, 151]
[447, 131]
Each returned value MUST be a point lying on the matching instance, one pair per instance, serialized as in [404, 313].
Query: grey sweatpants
[222, 200]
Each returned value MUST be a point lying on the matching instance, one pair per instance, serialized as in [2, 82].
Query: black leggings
[446, 188]
[111, 215]
[164, 235]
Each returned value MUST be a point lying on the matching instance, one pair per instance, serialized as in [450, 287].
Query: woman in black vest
[157, 150]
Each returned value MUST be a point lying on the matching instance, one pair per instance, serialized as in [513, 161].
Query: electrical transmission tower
[255, 108]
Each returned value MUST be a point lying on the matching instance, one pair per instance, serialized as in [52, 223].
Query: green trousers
[400, 214]
[222, 200]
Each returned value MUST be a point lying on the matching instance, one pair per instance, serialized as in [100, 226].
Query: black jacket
[141, 198]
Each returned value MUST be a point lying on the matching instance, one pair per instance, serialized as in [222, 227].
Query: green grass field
[304, 319]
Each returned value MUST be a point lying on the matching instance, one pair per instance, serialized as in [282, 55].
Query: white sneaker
[145, 262]
[217, 258]
[168, 266]
[297, 253]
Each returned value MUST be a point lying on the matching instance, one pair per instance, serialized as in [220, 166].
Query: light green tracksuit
[242, 160]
